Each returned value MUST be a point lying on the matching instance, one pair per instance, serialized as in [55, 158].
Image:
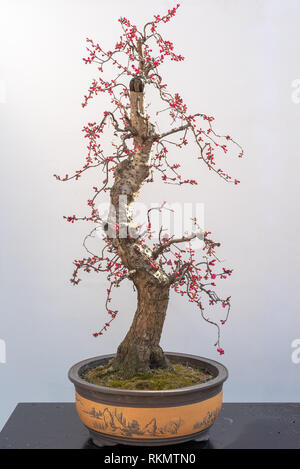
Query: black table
[239, 426]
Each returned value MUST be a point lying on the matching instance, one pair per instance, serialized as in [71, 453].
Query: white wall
[242, 57]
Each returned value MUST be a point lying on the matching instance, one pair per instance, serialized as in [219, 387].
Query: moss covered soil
[179, 376]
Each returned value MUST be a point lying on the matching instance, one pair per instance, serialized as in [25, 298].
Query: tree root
[133, 359]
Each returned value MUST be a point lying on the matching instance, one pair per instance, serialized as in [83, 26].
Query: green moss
[180, 376]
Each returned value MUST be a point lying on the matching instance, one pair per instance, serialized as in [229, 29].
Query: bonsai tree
[138, 154]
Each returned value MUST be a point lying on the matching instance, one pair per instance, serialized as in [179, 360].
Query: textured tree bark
[140, 350]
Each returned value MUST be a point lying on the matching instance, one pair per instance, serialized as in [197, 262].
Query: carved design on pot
[116, 422]
[208, 420]
[149, 422]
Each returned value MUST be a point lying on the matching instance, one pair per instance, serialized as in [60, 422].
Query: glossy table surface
[239, 426]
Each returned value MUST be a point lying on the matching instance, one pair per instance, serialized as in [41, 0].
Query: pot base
[101, 440]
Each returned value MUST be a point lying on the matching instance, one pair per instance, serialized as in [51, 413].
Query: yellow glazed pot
[148, 418]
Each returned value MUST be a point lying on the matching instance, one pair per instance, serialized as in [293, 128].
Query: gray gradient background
[242, 57]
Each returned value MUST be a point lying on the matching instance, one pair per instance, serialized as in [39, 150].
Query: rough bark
[140, 349]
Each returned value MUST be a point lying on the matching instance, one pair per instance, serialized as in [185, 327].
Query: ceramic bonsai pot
[148, 418]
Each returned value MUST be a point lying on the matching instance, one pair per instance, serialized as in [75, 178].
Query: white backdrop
[242, 58]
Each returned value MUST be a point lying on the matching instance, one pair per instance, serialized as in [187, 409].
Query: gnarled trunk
[140, 350]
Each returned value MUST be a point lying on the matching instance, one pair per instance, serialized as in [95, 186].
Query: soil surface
[179, 376]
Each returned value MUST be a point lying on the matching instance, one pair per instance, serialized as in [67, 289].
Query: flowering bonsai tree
[139, 152]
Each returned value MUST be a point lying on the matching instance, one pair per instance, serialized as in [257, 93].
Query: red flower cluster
[191, 278]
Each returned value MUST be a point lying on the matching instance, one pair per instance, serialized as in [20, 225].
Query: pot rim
[218, 380]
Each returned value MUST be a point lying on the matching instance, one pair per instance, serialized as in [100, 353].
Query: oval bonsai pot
[148, 418]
